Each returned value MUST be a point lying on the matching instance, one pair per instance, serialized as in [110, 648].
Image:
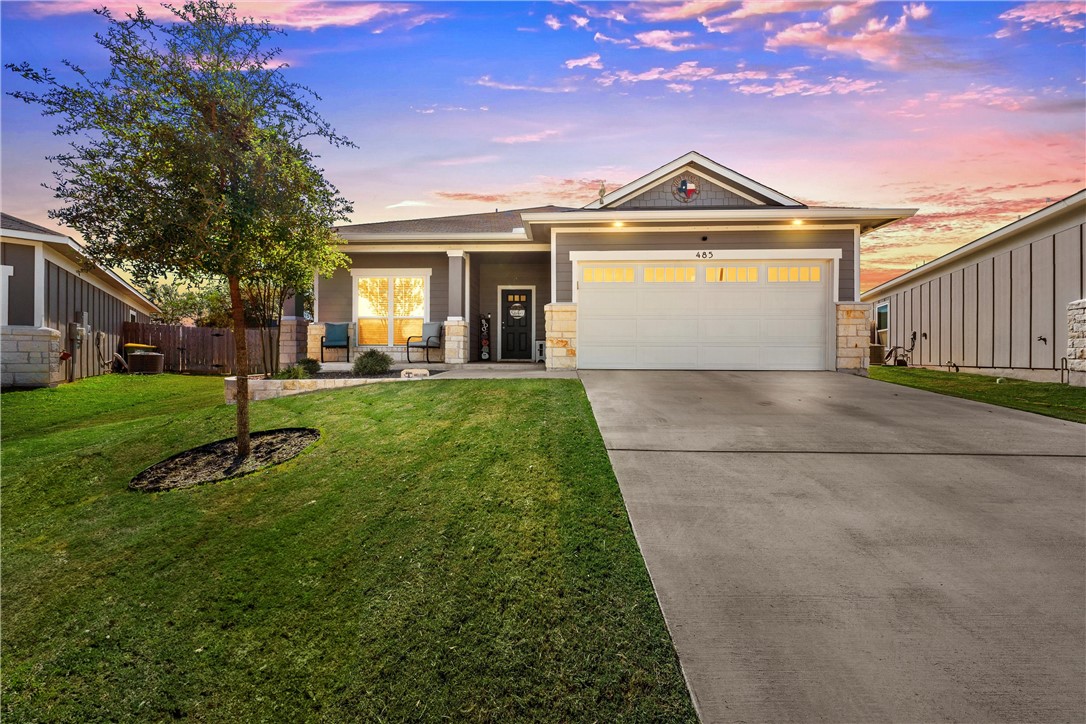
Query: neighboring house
[46, 298]
[998, 305]
[692, 266]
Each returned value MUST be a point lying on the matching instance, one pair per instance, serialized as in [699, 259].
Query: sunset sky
[973, 112]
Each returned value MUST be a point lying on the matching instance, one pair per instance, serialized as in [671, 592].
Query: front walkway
[827, 547]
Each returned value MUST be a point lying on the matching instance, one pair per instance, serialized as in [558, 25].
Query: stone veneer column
[561, 320]
[30, 357]
[456, 342]
[853, 337]
[293, 340]
[313, 334]
[1076, 342]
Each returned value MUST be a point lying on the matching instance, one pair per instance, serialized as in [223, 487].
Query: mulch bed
[351, 375]
[218, 460]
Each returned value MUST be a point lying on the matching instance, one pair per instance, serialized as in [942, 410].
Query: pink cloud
[877, 42]
[477, 197]
[527, 138]
[601, 38]
[838, 85]
[986, 95]
[552, 22]
[578, 21]
[589, 61]
[680, 87]
[679, 11]
[487, 82]
[1069, 17]
[603, 11]
[665, 40]
[685, 72]
[300, 14]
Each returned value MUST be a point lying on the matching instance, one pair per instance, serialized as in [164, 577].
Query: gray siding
[991, 309]
[21, 283]
[493, 275]
[66, 295]
[709, 195]
[473, 309]
[723, 240]
[335, 293]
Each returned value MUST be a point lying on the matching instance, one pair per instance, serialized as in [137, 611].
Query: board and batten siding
[336, 297]
[842, 239]
[20, 257]
[1003, 307]
[66, 296]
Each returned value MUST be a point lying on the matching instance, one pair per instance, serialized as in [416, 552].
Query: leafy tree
[206, 305]
[188, 157]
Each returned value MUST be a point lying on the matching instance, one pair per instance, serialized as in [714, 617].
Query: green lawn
[1045, 398]
[450, 550]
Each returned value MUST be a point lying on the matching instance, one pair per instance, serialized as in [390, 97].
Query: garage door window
[669, 274]
[609, 274]
[789, 274]
[732, 274]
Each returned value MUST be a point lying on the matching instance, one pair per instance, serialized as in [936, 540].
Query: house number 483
[704, 255]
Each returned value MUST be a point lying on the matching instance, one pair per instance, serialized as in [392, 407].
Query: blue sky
[974, 112]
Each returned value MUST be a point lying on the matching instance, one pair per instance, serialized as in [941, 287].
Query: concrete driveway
[832, 548]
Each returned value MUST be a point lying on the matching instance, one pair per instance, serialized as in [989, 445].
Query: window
[670, 274]
[731, 274]
[882, 322]
[779, 274]
[609, 274]
[390, 307]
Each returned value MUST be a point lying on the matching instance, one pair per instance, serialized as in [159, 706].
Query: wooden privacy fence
[199, 350]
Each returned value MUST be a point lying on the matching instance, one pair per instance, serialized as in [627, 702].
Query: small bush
[372, 362]
[294, 372]
[310, 365]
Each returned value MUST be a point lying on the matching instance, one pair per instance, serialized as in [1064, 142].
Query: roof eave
[977, 245]
[351, 237]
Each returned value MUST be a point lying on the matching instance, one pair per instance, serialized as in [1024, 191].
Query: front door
[516, 324]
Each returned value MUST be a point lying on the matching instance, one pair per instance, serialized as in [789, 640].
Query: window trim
[356, 274]
[886, 329]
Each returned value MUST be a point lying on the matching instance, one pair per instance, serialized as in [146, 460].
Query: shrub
[294, 372]
[310, 365]
[372, 362]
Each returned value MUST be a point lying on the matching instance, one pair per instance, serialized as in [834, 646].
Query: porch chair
[431, 338]
[336, 336]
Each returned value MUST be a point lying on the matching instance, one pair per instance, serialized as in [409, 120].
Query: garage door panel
[666, 299]
[667, 356]
[658, 329]
[785, 300]
[731, 357]
[731, 301]
[608, 329]
[808, 330]
[729, 329]
[610, 300]
[705, 321]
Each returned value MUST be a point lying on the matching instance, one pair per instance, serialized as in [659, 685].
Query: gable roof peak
[702, 164]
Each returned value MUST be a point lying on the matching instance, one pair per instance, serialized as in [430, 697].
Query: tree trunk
[241, 355]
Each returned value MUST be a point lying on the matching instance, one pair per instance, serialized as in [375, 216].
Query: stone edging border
[262, 389]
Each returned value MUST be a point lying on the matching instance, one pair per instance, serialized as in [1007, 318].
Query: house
[50, 305]
[1000, 304]
[692, 266]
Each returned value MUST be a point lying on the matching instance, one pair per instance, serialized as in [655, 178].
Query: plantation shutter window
[390, 307]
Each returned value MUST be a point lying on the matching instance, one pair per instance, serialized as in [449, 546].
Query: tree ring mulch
[218, 461]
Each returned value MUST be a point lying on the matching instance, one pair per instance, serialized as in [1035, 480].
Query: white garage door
[742, 315]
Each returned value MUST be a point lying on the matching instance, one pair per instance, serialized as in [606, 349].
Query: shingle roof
[13, 223]
[496, 222]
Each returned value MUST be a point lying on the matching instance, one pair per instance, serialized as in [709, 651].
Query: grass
[449, 550]
[1045, 398]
